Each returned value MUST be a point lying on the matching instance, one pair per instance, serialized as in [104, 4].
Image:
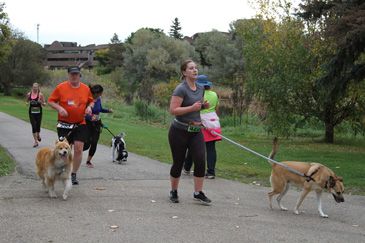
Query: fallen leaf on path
[111, 210]
[100, 188]
[355, 225]
[174, 217]
[114, 226]
[153, 201]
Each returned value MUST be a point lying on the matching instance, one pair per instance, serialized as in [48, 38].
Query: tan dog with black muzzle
[321, 177]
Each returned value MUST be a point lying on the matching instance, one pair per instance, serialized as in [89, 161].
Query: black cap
[73, 70]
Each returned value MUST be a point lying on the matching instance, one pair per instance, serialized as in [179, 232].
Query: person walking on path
[210, 121]
[72, 99]
[93, 123]
[185, 131]
[36, 100]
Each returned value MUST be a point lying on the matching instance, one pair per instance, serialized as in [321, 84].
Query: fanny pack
[65, 125]
[188, 127]
[193, 128]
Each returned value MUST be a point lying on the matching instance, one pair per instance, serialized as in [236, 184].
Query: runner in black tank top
[35, 112]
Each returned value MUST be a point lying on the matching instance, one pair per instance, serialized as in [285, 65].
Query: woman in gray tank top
[186, 103]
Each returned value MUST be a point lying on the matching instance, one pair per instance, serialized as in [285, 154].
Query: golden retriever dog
[55, 164]
[319, 177]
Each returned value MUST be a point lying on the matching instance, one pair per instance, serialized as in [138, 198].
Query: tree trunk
[329, 136]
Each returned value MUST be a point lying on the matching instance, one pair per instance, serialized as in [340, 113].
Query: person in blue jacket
[93, 123]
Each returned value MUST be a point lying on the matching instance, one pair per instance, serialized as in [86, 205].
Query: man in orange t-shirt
[72, 99]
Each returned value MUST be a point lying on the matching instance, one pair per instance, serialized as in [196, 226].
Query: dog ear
[331, 182]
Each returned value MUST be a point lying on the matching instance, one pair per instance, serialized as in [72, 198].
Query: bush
[149, 112]
[19, 91]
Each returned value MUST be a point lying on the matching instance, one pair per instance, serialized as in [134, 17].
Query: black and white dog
[119, 149]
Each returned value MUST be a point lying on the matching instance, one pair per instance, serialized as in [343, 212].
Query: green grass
[7, 164]
[346, 157]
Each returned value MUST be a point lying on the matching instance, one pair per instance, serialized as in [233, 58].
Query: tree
[23, 65]
[342, 23]
[115, 53]
[222, 59]
[5, 34]
[175, 29]
[306, 69]
[152, 57]
[277, 68]
[111, 58]
[158, 31]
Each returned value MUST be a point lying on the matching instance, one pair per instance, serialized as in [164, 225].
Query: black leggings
[180, 140]
[35, 120]
[94, 134]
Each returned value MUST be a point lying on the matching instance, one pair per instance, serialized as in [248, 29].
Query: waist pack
[65, 125]
[187, 126]
[192, 128]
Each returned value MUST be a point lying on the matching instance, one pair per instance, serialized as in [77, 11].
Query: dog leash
[308, 178]
[106, 127]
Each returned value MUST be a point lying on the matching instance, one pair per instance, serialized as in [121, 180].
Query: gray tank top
[189, 97]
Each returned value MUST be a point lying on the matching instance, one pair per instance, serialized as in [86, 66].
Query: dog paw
[324, 215]
[64, 196]
[52, 195]
[283, 208]
[296, 212]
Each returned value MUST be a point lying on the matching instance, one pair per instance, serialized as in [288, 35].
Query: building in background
[65, 54]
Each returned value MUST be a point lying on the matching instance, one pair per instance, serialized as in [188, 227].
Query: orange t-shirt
[73, 100]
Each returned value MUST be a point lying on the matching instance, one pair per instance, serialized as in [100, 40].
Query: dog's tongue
[64, 157]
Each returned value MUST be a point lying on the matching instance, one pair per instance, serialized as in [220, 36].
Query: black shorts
[80, 133]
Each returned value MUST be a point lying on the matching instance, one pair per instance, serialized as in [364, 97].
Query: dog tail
[275, 146]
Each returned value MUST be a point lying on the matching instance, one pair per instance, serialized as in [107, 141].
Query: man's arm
[58, 108]
[89, 108]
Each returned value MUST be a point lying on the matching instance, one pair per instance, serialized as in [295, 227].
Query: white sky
[95, 22]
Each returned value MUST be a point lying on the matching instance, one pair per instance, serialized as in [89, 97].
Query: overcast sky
[95, 22]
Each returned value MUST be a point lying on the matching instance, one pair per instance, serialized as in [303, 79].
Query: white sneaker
[187, 172]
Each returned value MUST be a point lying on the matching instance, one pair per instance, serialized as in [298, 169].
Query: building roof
[69, 46]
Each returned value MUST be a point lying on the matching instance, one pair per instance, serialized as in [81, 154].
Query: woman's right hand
[197, 106]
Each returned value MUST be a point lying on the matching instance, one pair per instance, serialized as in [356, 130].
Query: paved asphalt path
[134, 197]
